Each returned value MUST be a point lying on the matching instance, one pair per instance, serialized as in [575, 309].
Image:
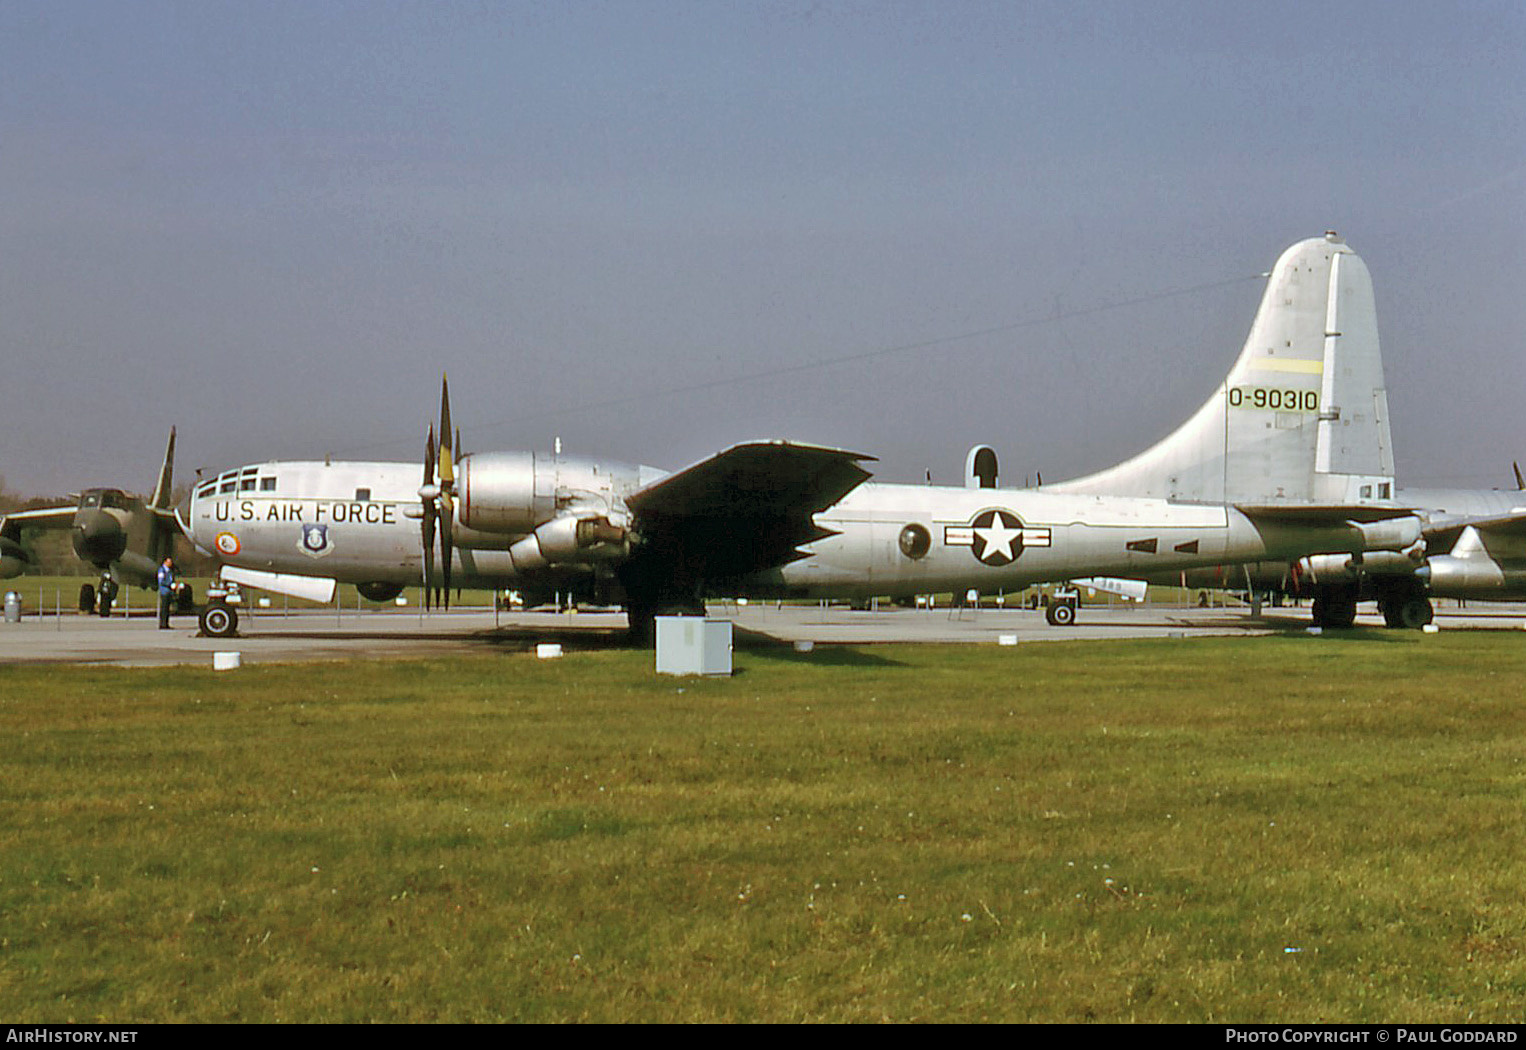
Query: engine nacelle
[379, 590]
[569, 538]
[1333, 568]
[1390, 534]
[514, 492]
[1472, 577]
[506, 491]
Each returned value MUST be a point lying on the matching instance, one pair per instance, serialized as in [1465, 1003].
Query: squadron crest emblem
[315, 541]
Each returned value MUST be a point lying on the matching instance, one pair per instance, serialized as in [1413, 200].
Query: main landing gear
[1405, 608]
[1337, 613]
[1408, 613]
[642, 618]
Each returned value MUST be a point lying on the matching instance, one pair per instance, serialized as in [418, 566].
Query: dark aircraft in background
[125, 537]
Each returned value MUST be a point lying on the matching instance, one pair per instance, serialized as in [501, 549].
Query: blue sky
[274, 225]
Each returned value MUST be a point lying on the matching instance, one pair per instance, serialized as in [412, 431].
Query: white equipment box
[691, 645]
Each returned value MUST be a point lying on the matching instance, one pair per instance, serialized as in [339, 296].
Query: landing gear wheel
[86, 598]
[1415, 613]
[1334, 613]
[1342, 614]
[642, 620]
[1061, 614]
[219, 621]
[106, 594]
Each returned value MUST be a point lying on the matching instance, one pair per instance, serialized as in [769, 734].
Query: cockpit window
[90, 499]
[267, 484]
[229, 485]
[246, 485]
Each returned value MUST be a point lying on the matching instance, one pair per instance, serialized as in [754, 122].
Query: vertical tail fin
[1302, 416]
[161, 500]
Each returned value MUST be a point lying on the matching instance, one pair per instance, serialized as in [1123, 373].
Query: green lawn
[1272, 829]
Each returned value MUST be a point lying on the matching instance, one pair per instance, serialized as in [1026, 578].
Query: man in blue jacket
[166, 592]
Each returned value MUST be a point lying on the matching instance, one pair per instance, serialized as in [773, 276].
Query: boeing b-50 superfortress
[1252, 476]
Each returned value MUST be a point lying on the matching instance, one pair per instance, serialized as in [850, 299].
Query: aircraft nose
[98, 539]
[195, 530]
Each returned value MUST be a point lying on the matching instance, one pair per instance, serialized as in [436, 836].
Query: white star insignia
[996, 540]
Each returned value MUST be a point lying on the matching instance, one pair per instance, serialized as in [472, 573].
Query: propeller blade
[431, 512]
[447, 490]
[447, 461]
[447, 515]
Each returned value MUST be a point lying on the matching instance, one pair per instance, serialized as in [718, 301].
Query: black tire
[86, 598]
[1415, 613]
[1061, 614]
[219, 621]
[1340, 614]
[106, 596]
[642, 620]
[1334, 613]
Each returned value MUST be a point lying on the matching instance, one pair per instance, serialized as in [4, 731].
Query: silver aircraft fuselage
[359, 522]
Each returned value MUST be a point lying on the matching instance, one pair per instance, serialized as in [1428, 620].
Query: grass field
[1273, 829]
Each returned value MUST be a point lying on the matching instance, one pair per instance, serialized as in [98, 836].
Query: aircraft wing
[167, 518]
[44, 518]
[745, 509]
[1441, 533]
[1322, 513]
[14, 555]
